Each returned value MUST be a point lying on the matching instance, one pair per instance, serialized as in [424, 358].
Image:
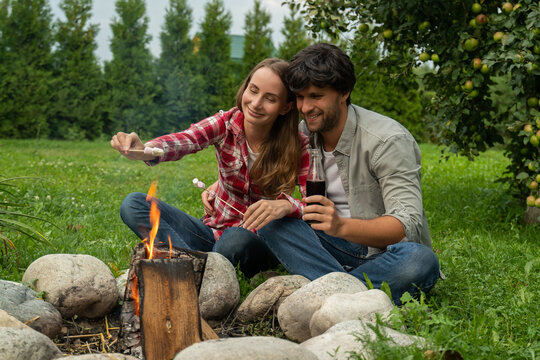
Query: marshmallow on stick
[201, 185]
[149, 151]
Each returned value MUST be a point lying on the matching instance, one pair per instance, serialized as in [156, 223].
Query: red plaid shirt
[225, 130]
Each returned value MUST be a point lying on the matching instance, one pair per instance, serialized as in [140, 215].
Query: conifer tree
[179, 95]
[79, 82]
[258, 36]
[129, 76]
[27, 68]
[296, 37]
[214, 59]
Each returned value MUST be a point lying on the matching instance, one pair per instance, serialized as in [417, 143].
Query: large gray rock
[220, 292]
[26, 344]
[75, 284]
[268, 296]
[110, 356]
[338, 342]
[296, 311]
[337, 308]
[252, 348]
[21, 302]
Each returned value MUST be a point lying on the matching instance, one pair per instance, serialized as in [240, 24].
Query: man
[372, 221]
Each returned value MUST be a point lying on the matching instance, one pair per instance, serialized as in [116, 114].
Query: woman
[261, 157]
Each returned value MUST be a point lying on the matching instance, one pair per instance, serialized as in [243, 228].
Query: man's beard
[329, 120]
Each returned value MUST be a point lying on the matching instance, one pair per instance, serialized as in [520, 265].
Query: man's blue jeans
[405, 266]
[238, 245]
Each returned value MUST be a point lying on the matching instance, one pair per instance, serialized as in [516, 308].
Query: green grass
[486, 309]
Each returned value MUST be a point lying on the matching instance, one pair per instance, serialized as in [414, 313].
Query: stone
[26, 344]
[22, 303]
[295, 313]
[337, 308]
[269, 296]
[75, 284]
[347, 337]
[109, 356]
[220, 291]
[7, 320]
[253, 348]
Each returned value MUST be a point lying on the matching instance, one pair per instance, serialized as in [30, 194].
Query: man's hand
[208, 199]
[264, 211]
[124, 142]
[324, 213]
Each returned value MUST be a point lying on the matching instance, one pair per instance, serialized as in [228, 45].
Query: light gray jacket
[379, 165]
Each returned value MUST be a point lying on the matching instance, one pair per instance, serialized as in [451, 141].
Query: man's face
[321, 108]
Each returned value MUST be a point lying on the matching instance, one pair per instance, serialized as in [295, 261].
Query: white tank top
[334, 188]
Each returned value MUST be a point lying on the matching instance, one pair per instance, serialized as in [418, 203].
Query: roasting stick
[148, 151]
[201, 185]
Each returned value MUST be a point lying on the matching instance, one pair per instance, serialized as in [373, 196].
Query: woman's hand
[124, 142]
[208, 198]
[264, 211]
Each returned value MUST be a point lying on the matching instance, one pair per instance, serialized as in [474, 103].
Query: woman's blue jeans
[405, 266]
[238, 245]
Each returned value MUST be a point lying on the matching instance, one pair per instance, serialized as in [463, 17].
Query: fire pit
[160, 313]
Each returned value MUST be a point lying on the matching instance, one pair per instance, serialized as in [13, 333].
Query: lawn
[486, 308]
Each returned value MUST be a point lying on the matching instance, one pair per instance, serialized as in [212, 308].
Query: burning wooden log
[160, 313]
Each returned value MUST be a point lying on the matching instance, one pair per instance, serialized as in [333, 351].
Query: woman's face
[264, 99]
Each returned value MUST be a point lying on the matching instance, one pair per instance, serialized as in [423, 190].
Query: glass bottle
[316, 180]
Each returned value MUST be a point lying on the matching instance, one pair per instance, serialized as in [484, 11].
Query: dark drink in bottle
[316, 180]
[315, 187]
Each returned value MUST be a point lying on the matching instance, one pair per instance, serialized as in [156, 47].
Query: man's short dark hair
[322, 65]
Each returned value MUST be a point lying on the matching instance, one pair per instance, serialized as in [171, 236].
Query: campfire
[160, 313]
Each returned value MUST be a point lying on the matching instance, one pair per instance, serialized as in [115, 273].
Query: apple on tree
[470, 44]
[477, 63]
[531, 200]
[481, 19]
[498, 36]
[424, 57]
[468, 86]
[507, 7]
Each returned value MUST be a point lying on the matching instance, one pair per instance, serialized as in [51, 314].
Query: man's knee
[420, 264]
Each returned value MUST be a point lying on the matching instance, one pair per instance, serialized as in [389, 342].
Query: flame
[149, 242]
[154, 218]
[151, 191]
[135, 294]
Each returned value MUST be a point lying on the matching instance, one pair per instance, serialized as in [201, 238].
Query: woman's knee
[132, 203]
[233, 239]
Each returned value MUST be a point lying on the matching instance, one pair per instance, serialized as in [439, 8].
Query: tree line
[53, 86]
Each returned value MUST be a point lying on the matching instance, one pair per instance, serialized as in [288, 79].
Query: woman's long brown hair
[275, 169]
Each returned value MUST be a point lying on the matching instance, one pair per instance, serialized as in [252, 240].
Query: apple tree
[474, 45]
